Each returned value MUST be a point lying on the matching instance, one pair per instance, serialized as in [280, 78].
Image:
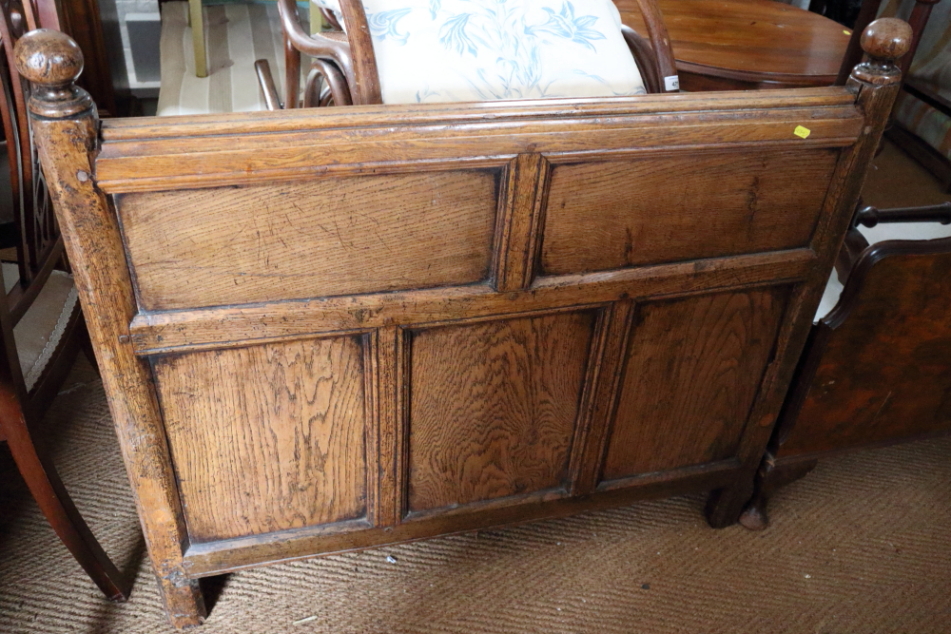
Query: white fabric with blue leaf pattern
[485, 50]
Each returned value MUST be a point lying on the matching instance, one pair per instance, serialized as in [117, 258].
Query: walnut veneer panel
[266, 438]
[493, 407]
[884, 373]
[345, 235]
[693, 369]
[623, 213]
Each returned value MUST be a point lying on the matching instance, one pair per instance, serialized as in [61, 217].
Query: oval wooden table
[747, 44]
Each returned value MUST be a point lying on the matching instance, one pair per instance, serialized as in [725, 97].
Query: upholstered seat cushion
[484, 50]
[40, 330]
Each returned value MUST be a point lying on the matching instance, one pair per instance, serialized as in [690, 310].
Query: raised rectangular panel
[331, 236]
[493, 407]
[693, 369]
[268, 437]
[641, 211]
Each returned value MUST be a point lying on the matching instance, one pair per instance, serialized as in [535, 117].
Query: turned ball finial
[48, 57]
[884, 41]
[52, 62]
[887, 38]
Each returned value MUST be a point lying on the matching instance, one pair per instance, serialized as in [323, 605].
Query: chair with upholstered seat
[41, 325]
[419, 51]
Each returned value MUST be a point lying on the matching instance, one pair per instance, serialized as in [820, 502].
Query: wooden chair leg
[48, 491]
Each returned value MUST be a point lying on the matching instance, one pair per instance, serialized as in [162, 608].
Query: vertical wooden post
[876, 82]
[65, 124]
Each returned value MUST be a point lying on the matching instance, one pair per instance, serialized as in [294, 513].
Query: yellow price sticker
[802, 132]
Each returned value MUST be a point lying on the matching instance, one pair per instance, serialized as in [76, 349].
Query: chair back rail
[39, 247]
[321, 331]
[347, 61]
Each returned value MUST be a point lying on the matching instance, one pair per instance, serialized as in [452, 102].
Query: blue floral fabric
[482, 50]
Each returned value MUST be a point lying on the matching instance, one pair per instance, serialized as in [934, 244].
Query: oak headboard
[328, 329]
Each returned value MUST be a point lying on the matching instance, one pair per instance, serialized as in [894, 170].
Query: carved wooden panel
[493, 407]
[624, 213]
[693, 369]
[268, 437]
[343, 235]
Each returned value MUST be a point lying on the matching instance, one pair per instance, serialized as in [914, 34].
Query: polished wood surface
[477, 401]
[747, 44]
[242, 473]
[727, 203]
[493, 407]
[316, 240]
[696, 357]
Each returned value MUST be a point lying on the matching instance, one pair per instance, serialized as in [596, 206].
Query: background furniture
[345, 61]
[81, 20]
[197, 21]
[748, 44]
[41, 326]
[923, 110]
[877, 369]
[322, 331]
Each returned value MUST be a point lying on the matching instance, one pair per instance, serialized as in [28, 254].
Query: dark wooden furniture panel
[251, 460]
[686, 394]
[748, 44]
[887, 373]
[625, 213]
[322, 237]
[493, 407]
[460, 388]
[877, 369]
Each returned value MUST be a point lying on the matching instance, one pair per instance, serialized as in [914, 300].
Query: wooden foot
[724, 505]
[754, 516]
[184, 602]
[770, 477]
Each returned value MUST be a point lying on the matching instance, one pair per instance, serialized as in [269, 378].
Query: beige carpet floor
[861, 545]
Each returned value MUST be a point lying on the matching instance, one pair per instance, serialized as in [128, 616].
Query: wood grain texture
[884, 373]
[193, 153]
[238, 325]
[318, 238]
[495, 378]
[493, 407]
[267, 438]
[519, 219]
[751, 40]
[587, 455]
[692, 372]
[625, 213]
[386, 458]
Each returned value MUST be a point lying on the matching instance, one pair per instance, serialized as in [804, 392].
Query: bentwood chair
[41, 325]
[449, 50]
